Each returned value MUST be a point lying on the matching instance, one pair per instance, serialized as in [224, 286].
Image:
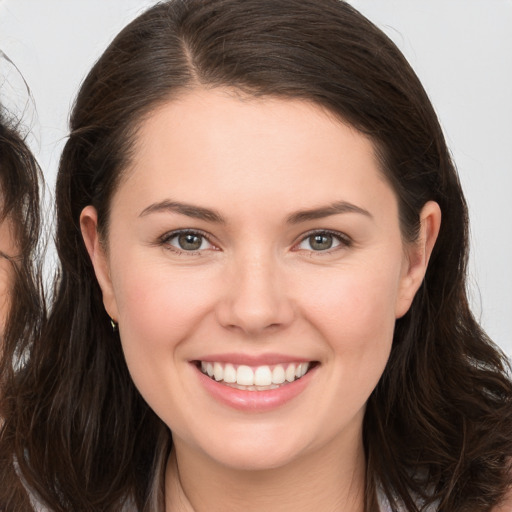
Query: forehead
[213, 144]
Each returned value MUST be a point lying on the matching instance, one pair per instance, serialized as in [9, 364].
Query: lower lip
[254, 401]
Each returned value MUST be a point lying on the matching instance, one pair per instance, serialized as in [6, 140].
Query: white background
[461, 50]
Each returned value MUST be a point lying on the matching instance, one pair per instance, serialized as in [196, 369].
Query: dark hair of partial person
[438, 427]
[20, 179]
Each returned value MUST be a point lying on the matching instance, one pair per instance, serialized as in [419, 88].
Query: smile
[258, 378]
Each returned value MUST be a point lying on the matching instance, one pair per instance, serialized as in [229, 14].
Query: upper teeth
[254, 376]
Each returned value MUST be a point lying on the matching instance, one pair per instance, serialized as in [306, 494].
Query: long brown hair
[438, 427]
[20, 186]
[20, 180]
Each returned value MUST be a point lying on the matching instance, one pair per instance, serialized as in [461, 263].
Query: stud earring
[114, 325]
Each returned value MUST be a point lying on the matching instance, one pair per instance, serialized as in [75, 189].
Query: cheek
[6, 282]
[158, 309]
[355, 311]
[8, 247]
[357, 300]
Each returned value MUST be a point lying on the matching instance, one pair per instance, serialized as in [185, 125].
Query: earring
[114, 325]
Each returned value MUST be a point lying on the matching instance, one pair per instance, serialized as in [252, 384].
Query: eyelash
[343, 240]
[166, 239]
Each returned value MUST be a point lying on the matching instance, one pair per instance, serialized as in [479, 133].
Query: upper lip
[252, 360]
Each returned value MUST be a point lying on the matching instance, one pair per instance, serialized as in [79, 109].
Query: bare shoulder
[506, 505]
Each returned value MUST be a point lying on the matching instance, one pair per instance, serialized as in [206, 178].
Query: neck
[326, 481]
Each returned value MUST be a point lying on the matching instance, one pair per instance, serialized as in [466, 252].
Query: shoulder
[506, 505]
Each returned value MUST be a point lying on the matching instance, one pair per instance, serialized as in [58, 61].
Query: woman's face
[255, 239]
[7, 248]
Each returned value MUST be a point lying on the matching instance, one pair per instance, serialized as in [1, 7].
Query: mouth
[255, 378]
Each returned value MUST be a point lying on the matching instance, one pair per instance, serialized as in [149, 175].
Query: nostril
[254, 309]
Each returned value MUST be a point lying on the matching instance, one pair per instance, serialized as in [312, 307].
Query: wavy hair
[20, 179]
[438, 427]
[20, 182]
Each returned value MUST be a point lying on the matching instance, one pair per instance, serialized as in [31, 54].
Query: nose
[256, 298]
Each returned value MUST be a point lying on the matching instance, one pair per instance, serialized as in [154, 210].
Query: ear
[417, 256]
[99, 259]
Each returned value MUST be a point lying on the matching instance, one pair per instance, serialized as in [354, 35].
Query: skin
[8, 248]
[506, 505]
[256, 286]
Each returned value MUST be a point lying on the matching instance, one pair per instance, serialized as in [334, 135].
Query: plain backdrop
[461, 50]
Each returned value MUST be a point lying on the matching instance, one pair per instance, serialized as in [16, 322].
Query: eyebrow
[209, 215]
[326, 211]
[196, 212]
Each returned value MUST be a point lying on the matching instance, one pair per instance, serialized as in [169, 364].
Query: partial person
[20, 179]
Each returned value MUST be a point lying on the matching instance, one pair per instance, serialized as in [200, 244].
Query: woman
[21, 297]
[19, 234]
[262, 302]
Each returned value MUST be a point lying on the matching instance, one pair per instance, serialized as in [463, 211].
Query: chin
[256, 452]
[255, 462]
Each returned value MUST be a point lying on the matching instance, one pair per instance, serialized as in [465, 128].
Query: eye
[322, 241]
[187, 241]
